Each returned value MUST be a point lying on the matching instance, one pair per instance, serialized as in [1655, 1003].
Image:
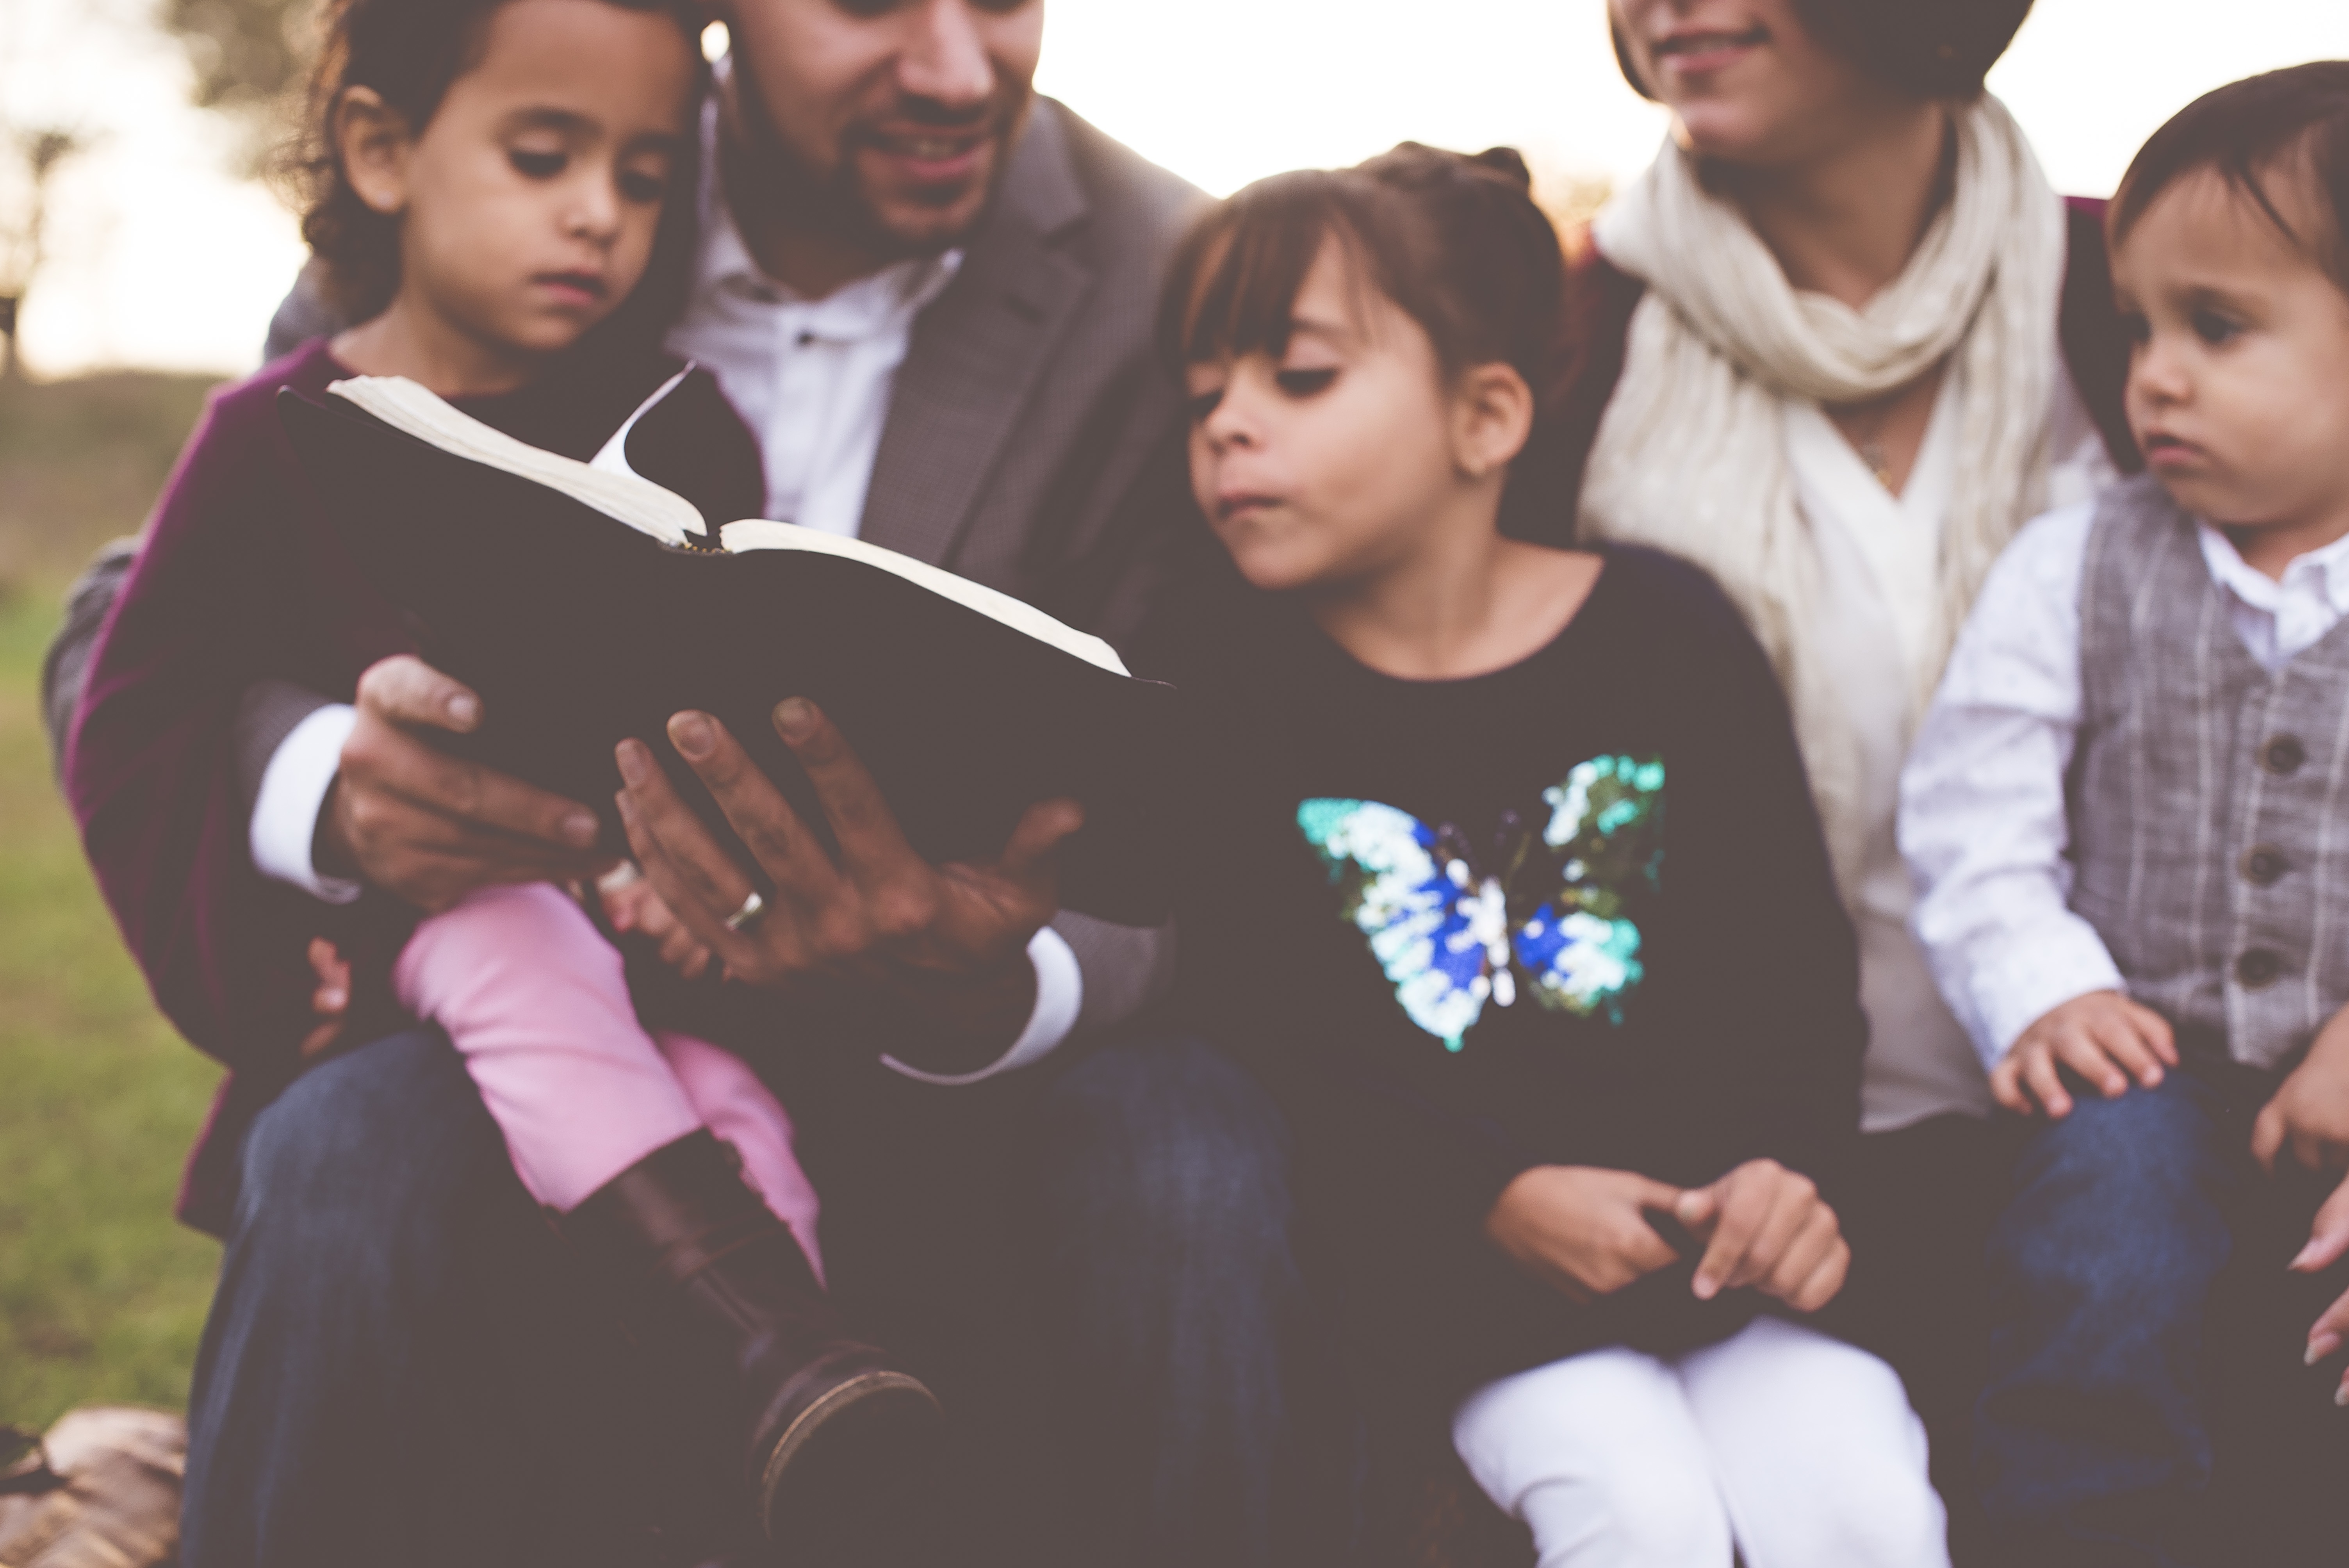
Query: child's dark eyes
[2213, 328]
[1305, 383]
[1203, 405]
[871, 8]
[2135, 327]
[534, 164]
[643, 185]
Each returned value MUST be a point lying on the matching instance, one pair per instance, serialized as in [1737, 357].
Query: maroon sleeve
[150, 768]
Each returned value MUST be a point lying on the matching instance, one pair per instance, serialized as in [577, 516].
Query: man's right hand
[1579, 1228]
[428, 828]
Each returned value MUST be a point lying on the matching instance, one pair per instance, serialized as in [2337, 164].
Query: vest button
[2258, 967]
[2283, 756]
[2264, 866]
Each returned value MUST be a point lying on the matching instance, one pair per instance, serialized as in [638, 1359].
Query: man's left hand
[948, 942]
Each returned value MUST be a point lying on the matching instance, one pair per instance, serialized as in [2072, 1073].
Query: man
[930, 292]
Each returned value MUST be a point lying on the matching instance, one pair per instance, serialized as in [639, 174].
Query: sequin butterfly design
[1551, 906]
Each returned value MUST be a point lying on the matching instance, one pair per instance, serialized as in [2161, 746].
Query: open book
[586, 603]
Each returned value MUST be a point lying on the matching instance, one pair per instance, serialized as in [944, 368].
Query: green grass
[102, 1294]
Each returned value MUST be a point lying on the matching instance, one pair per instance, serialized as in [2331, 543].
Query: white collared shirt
[1982, 817]
[813, 379]
[1880, 556]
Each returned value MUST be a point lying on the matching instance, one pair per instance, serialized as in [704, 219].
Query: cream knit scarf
[1690, 455]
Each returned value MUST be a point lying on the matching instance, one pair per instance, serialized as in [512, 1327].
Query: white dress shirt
[810, 377]
[1981, 804]
[813, 379]
[1880, 556]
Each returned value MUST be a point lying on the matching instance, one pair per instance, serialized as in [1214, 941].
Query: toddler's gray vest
[2206, 795]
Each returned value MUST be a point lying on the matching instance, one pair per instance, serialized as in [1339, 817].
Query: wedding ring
[753, 906]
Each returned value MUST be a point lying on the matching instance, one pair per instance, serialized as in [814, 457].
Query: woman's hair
[1456, 242]
[410, 52]
[2294, 121]
[1924, 49]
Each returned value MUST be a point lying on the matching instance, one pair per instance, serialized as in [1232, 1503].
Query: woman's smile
[1701, 51]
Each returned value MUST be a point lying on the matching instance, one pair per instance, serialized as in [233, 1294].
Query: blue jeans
[1211, 1403]
[403, 1365]
[2145, 1358]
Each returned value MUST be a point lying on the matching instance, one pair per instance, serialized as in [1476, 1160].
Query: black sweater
[1685, 987]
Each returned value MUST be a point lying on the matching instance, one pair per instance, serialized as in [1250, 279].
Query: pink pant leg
[536, 1003]
[736, 1106]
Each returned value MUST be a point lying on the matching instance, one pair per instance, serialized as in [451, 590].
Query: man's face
[902, 110]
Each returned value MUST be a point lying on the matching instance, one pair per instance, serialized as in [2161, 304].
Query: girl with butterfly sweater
[1509, 882]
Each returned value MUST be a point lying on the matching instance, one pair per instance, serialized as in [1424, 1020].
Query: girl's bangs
[1245, 271]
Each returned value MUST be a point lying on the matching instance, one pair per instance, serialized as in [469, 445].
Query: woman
[1836, 345]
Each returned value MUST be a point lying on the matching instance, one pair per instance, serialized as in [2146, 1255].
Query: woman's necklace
[1863, 425]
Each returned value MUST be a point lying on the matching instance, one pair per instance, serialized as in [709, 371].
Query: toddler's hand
[2104, 1037]
[1766, 1226]
[631, 904]
[1580, 1227]
[330, 999]
[2311, 1110]
[2328, 1238]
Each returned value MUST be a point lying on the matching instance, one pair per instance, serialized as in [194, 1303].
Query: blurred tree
[39, 153]
[245, 53]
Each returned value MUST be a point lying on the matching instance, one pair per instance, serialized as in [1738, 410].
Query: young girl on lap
[499, 207]
[1510, 884]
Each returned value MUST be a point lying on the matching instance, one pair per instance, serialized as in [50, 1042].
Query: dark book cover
[579, 630]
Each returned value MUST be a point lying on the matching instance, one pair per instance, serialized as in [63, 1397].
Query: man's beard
[835, 204]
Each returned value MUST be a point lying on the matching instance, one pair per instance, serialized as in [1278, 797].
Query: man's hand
[2104, 1037]
[631, 904]
[947, 942]
[1766, 1227]
[2328, 1238]
[2310, 1110]
[426, 827]
[1579, 1228]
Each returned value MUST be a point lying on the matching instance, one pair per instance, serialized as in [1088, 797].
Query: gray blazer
[1034, 443]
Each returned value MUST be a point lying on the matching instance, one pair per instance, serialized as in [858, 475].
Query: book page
[621, 495]
[759, 534]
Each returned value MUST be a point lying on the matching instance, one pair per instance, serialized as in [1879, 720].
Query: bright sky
[161, 257]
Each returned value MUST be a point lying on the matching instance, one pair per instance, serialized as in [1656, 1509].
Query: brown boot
[844, 1449]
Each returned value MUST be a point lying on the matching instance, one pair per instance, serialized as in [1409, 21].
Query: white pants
[1798, 1449]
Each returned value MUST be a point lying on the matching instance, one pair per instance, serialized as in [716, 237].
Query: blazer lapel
[978, 350]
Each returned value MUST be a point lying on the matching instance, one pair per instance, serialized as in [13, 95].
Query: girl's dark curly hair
[410, 51]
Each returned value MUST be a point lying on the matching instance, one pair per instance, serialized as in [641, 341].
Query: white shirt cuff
[293, 792]
[1059, 997]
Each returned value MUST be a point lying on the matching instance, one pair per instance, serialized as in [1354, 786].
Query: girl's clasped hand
[1588, 1231]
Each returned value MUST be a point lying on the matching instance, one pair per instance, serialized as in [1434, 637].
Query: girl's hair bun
[1453, 240]
[1507, 161]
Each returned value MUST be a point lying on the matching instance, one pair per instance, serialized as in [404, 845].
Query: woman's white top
[1879, 555]
[1983, 808]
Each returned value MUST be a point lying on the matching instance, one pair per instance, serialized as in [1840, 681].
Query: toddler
[2123, 815]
